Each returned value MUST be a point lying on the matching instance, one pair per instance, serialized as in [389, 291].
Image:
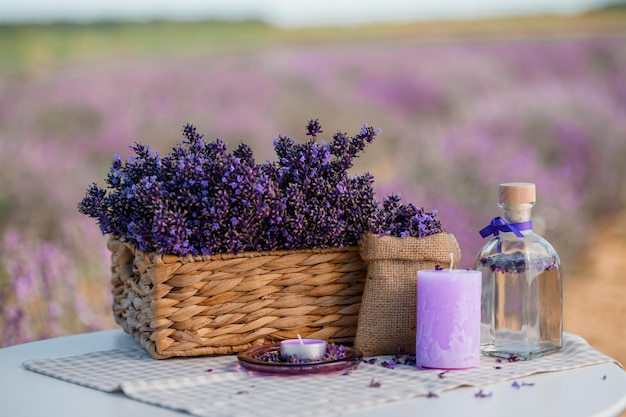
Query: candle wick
[300, 339]
[451, 261]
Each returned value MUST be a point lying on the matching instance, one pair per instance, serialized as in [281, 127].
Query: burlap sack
[387, 318]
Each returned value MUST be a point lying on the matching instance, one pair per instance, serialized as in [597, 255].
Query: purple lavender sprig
[323, 205]
[404, 220]
[335, 352]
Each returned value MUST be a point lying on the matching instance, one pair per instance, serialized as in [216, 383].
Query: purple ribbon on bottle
[498, 224]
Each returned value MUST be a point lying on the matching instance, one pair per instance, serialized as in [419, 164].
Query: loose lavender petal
[374, 383]
[482, 394]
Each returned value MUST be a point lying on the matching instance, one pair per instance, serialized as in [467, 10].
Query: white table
[569, 393]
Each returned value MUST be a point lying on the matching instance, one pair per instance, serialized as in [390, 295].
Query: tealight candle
[448, 318]
[304, 350]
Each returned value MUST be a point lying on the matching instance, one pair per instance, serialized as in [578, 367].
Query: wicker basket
[222, 304]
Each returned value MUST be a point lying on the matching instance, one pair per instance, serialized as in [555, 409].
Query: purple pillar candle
[448, 318]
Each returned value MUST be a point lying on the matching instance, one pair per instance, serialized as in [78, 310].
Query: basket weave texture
[222, 304]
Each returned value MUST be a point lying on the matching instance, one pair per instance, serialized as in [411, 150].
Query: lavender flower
[375, 384]
[335, 352]
[513, 357]
[404, 220]
[409, 359]
[390, 364]
[517, 385]
[202, 199]
[270, 356]
[483, 394]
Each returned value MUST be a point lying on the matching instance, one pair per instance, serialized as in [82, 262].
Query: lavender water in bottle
[522, 293]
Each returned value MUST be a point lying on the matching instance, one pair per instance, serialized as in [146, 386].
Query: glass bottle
[522, 293]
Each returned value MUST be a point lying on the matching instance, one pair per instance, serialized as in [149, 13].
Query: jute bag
[387, 318]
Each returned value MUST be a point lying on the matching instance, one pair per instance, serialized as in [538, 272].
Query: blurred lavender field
[457, 118]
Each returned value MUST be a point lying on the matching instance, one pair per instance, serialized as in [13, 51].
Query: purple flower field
[456, 118]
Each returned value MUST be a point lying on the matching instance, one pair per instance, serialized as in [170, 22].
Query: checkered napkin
[106, 371]
[219, 387]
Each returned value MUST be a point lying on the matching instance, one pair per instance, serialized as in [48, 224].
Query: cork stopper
[517, 193]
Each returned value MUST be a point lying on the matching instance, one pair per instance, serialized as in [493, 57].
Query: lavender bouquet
[202, 199]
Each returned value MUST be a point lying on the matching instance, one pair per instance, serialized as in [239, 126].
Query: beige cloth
[227, 390]
[387, 318]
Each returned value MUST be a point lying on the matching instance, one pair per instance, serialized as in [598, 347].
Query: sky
[286, 13]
